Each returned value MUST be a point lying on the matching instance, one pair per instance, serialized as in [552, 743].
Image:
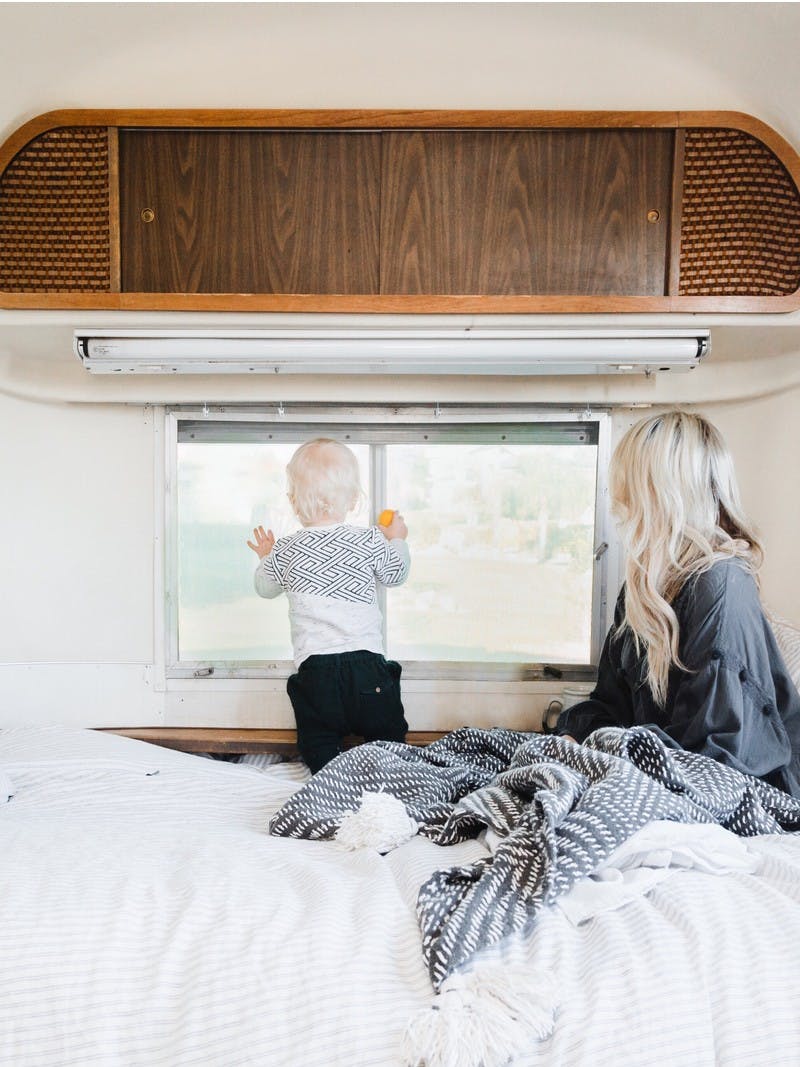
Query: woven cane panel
[54, 214]
[740, 226]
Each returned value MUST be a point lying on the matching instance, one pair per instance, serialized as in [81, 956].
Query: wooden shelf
[191, 739]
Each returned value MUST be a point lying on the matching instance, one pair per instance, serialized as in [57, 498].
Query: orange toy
[385, 517]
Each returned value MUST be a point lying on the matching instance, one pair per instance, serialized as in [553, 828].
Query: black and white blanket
[559, 808]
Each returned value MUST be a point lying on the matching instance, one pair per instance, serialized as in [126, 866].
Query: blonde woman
[690, 654]
[329, 571]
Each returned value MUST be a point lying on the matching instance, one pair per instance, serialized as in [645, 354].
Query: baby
[329, 572]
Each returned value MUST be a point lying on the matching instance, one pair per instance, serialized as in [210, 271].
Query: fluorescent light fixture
[434, 350]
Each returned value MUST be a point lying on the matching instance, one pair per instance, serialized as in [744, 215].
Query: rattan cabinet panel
[740, 220]
[54, 214]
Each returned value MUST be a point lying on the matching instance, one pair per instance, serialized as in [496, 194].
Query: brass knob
[653, 216]
[148, 214]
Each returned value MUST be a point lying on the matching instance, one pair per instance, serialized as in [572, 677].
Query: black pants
[346, 693]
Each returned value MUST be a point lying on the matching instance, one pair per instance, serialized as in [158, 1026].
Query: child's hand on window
[396, 528]
[264, 542]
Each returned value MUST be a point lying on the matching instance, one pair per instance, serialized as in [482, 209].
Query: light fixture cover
[464, 350]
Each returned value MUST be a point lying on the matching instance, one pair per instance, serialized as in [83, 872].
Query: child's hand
[396, 528]
[264, 542]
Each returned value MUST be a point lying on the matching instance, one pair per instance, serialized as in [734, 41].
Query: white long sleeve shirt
[330, 575]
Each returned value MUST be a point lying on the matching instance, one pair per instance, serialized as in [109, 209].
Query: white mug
[574, 694]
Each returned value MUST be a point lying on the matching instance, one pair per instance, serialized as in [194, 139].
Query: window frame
[356, 422]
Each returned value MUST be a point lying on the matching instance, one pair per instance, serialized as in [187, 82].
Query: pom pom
[381, 822]
[385, 517]
[483, 1018]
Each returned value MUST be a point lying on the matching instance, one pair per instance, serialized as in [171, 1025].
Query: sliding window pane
[225, 489]
[501, 540]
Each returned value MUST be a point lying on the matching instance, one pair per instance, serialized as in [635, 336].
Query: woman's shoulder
[720, 607]
[724, 580]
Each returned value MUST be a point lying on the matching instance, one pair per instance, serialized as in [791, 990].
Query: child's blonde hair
[323, 481]
[674, 493]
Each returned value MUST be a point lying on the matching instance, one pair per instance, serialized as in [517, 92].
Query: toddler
[329, 571]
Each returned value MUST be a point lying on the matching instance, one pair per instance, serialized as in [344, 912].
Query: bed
[149, 918]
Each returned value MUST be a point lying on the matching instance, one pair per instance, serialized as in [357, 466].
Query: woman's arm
[725, 706]
[723, 712]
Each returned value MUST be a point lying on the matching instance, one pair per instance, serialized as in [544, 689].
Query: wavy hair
[675, 498]
[323, 481]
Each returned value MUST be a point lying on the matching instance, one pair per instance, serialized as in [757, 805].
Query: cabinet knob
[653, 216]
[147, 214]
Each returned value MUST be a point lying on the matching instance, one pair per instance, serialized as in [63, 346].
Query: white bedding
[146, 917]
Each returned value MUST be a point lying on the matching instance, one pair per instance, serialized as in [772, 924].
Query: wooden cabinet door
[526, 212]
[249, 211]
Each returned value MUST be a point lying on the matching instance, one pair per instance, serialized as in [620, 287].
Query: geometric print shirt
[330, 576]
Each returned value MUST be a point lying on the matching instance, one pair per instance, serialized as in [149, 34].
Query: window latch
[601, 550]
[203, 672]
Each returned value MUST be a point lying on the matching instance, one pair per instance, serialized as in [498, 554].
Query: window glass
[502, 532]
[502, 552]
[225, 489]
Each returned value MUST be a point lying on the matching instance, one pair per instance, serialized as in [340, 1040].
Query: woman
[690, 654]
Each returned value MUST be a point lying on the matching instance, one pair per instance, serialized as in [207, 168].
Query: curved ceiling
[698, 56]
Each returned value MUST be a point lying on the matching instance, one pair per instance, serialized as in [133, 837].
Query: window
[505, 510]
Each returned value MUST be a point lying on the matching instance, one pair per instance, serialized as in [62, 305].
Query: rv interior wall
[81, 458]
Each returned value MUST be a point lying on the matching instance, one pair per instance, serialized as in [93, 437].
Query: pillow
[788, 638]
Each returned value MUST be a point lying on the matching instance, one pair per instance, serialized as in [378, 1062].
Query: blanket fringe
[381, 822]
[483, 1018]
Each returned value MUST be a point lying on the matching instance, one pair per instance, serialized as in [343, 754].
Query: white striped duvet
[147, 918]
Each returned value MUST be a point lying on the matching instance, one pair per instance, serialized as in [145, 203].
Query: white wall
[81, 527]
[764, 437]
[78, 640]
[493, 55]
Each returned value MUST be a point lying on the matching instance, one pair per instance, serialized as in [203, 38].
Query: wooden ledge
[196, 739]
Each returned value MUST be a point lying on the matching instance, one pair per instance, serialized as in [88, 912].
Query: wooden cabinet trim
[674, 249]
[349, 304]
[113, 209]
[398, 120]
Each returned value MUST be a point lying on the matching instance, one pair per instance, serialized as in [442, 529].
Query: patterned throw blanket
[559, 808]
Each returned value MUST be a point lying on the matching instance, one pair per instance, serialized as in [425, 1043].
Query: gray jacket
[735, 703]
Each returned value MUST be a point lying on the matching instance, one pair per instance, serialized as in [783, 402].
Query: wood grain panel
[250, 212]
[532, 212]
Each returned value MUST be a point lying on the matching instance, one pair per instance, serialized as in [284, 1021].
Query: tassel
[381, 822]
[483, 1018]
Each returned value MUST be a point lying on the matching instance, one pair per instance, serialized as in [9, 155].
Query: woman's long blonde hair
[674, 495]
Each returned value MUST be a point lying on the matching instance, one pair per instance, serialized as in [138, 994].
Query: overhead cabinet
[393, 211]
